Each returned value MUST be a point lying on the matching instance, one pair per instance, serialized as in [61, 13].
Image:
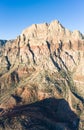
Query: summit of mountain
[45, 61]
[53, 30]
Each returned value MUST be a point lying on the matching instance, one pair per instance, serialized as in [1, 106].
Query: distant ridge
[2, 42]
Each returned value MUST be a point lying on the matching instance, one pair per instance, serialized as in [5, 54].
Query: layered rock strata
[45, 61]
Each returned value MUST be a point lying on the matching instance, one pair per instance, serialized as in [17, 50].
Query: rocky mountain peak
[53, 31]
[77, 34]
[42, 72]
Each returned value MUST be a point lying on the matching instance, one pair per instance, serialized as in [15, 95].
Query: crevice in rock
[24, 37]
[15, 77]
[18, 53]
[33, 55]
[55, 63]
[70, 57]
[60, 59]
[49, 47]
[70, 44]
[60, 45]
[27, 58]
[8, 63]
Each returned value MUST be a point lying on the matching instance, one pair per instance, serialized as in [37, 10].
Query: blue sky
[15, 15]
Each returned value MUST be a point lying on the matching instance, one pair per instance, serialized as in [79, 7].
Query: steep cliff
[46, 60]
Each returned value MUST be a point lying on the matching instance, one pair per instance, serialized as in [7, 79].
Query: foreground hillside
[42, 79]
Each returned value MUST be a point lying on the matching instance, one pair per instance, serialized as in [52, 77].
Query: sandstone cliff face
[45, 61]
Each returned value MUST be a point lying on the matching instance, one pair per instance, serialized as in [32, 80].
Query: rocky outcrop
[45, 61]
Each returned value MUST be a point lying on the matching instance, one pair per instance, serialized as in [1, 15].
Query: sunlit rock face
[46, 60]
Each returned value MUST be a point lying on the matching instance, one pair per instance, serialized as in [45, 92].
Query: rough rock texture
[45, 61]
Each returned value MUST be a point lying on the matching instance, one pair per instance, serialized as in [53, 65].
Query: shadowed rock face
[46, 60]
[2, 42]
[47, 114]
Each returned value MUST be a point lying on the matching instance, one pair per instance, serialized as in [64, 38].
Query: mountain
[42, 71]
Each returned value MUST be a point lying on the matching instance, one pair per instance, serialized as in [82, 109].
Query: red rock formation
[46, 60]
